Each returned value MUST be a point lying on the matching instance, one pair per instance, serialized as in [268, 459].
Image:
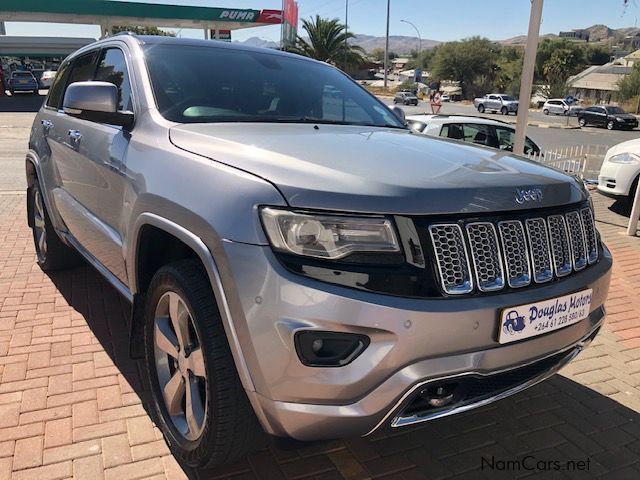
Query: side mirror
[96, 102]
[399, 112]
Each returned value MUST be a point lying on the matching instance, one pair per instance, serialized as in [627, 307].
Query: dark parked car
[22, 82]
[406, 98]
[607, 116]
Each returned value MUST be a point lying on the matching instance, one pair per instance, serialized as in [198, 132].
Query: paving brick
[5, 468]
[57, 471]
[99, 430]
[116, 451]
[157, 448]
[109, 397]
[14, 372]
[58, 432]
[6, 448]
[88, 467]
[85, 413]
[9, 415]
[52, 413]
[23, 431]
[71, 398]
[140, 430]
[34, 399]
[71, 452]
[122, 412]
[59, 349]
[132, 471]
[28, 453]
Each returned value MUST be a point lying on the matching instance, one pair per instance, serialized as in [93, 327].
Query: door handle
[46, 125]
[75, 135]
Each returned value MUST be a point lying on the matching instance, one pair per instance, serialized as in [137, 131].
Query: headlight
[328, 236]
[626, 158]
[619, 119]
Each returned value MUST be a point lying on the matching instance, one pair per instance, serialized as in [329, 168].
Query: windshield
[22, 74]
[194, 84]
[508, 98]
[615, 110]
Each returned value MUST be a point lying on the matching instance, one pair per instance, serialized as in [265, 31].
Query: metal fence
[581, 160]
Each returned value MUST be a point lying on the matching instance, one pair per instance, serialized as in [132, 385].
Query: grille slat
[590, 232]
[577, 241]
[541, 260]
[513, 252]
[485, 252]
[452, 258]
[516, 253]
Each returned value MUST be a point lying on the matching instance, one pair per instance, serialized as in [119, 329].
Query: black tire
[55, 255]
[395, 101]
[632, 191]
[230, 429]
[504, 111]
[545, 111]
[481, 108]
[582, 122]
[611, 125]
[12, 92]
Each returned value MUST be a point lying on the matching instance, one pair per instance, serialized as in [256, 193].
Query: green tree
[423, 60]
[598, 54]
[141, 30]
[557, 60]
[472, 62]
[327, 43]
[629, 86]
[378, 54]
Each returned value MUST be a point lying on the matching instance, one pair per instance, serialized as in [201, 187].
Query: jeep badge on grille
[528, 195]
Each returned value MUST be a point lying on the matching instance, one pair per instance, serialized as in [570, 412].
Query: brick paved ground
[72, 403]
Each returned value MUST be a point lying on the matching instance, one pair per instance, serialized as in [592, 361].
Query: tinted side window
[82, 68]
[113, 69]
[54, 99]
[480, 134]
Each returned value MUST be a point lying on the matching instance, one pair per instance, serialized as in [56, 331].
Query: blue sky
[436, 19]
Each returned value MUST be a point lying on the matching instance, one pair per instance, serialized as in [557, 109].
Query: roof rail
[108, 35]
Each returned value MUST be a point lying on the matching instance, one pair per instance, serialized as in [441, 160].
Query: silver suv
[298, 260]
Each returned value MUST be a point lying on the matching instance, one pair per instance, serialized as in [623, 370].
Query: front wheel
[481, 108]
[545, 111]
[610, 125]
[504, 111]
[582, 122]
[201, 405]
[51, 253]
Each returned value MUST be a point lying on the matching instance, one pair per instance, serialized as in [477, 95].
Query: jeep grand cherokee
[296, 257]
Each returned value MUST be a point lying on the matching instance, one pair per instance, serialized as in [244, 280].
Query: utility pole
[346, 31]
[528, 70]
[386, 47]
[418, 32]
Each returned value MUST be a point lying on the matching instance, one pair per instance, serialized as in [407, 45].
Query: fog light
[329, 349]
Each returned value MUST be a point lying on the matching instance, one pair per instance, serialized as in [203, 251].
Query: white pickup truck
[496, 102]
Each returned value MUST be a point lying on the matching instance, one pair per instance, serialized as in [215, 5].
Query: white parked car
[559, 106]
[47, 78]
[620, 170]
[477, 130]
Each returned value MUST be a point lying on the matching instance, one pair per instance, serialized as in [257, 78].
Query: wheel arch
[149, 224]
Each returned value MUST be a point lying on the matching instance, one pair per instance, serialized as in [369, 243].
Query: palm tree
[327, 43]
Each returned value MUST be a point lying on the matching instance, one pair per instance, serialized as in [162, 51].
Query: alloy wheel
[179, 363]
[39, 225]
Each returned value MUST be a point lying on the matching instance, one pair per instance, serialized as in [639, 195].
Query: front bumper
[24, 87]
[413, 341]
[616, 178]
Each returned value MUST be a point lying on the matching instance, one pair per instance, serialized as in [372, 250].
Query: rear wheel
[481, 108]
[51, 253]
[202, 408]
[504, 111]
[610, 125]
[582, 122]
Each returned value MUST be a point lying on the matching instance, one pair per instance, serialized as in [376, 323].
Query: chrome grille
[513, 252]
[486, 256]
[540, 250]
[560, 250]
[576, 239]
[590, 233]
[452, 258]
[516, 256]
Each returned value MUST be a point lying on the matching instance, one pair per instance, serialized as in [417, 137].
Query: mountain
[397, 43]
[259, 42]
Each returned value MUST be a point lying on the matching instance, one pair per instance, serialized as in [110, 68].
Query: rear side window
[82, 68]
[54, 99]
[113, 69]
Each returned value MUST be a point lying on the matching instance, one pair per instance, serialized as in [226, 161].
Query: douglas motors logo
[514, 322]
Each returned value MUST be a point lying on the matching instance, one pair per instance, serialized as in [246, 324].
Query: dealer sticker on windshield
[524, 321]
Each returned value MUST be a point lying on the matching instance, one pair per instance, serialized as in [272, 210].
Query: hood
[630, 146]
[626, 116]
[376, 170]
